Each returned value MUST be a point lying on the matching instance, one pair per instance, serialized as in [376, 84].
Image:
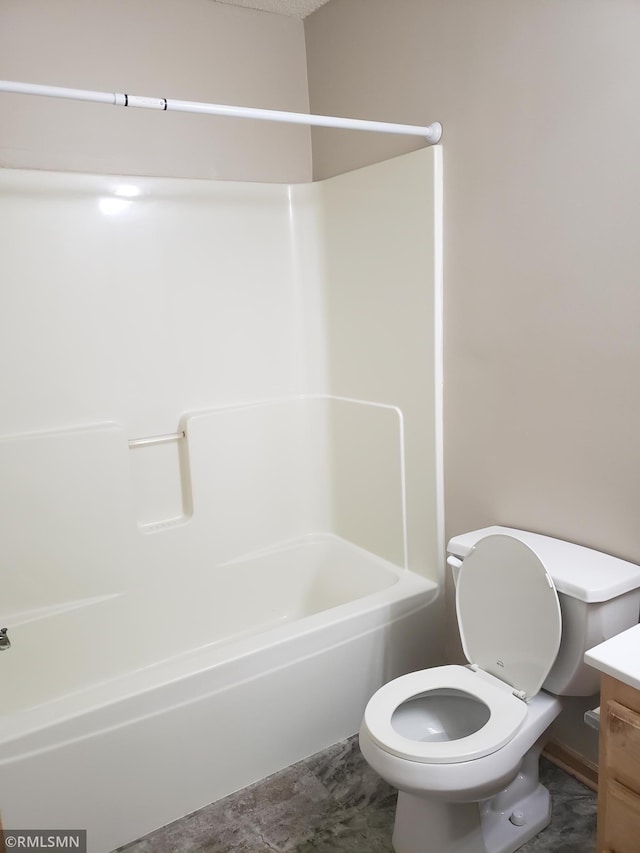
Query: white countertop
[619, 657]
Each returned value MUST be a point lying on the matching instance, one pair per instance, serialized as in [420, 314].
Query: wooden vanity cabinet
[619, 768]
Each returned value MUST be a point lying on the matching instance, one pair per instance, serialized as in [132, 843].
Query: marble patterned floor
[334, 802]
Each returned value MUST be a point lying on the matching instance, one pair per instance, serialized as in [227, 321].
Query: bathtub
[122, 713]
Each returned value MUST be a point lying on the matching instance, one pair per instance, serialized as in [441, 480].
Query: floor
[334, 802]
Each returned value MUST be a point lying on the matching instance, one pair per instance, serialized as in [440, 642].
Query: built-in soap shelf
[161, 481]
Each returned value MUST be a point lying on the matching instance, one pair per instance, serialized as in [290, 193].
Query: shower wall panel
[137, 299]
[141, 307]
[381, 237]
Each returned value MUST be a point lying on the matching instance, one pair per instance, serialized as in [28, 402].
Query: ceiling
[294, 8]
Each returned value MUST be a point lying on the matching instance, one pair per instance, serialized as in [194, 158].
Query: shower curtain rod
[431, 132]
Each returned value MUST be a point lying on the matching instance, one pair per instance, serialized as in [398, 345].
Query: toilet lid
[508, 612]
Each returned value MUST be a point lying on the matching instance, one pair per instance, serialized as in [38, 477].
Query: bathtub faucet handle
[5, 642]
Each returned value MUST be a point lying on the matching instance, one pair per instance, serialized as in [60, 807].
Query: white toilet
[462, 743]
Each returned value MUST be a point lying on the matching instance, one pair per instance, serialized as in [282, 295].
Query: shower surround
[220, 502]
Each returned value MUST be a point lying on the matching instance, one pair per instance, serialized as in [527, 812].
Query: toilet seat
[507, 714]
[510, 626]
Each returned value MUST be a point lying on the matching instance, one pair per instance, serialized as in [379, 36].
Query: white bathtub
[127, 712]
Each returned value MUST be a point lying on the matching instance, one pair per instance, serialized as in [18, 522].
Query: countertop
[619, 657]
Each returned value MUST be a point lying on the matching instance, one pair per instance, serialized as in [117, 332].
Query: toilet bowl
[462, 743]
[444, 715]
[447, 729]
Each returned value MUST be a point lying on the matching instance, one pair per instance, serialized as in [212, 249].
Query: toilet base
[501, 835]
[520, 811]
[428, 826]
[501, 824]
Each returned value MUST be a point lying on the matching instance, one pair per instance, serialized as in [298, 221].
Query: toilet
[462, 743]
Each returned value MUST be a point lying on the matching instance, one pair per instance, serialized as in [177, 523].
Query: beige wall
[186, 49]
[542, 174]
[541, 294]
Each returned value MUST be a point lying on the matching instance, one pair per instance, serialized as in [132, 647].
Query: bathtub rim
[207, 670]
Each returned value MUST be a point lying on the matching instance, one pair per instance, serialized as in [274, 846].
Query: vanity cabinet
[619, 768]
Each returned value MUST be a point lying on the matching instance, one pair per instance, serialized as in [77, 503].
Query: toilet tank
[599, 597]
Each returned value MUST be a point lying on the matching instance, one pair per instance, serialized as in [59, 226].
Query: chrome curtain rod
[431, 132]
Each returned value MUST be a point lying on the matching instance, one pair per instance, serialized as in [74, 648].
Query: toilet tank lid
[577, 571]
